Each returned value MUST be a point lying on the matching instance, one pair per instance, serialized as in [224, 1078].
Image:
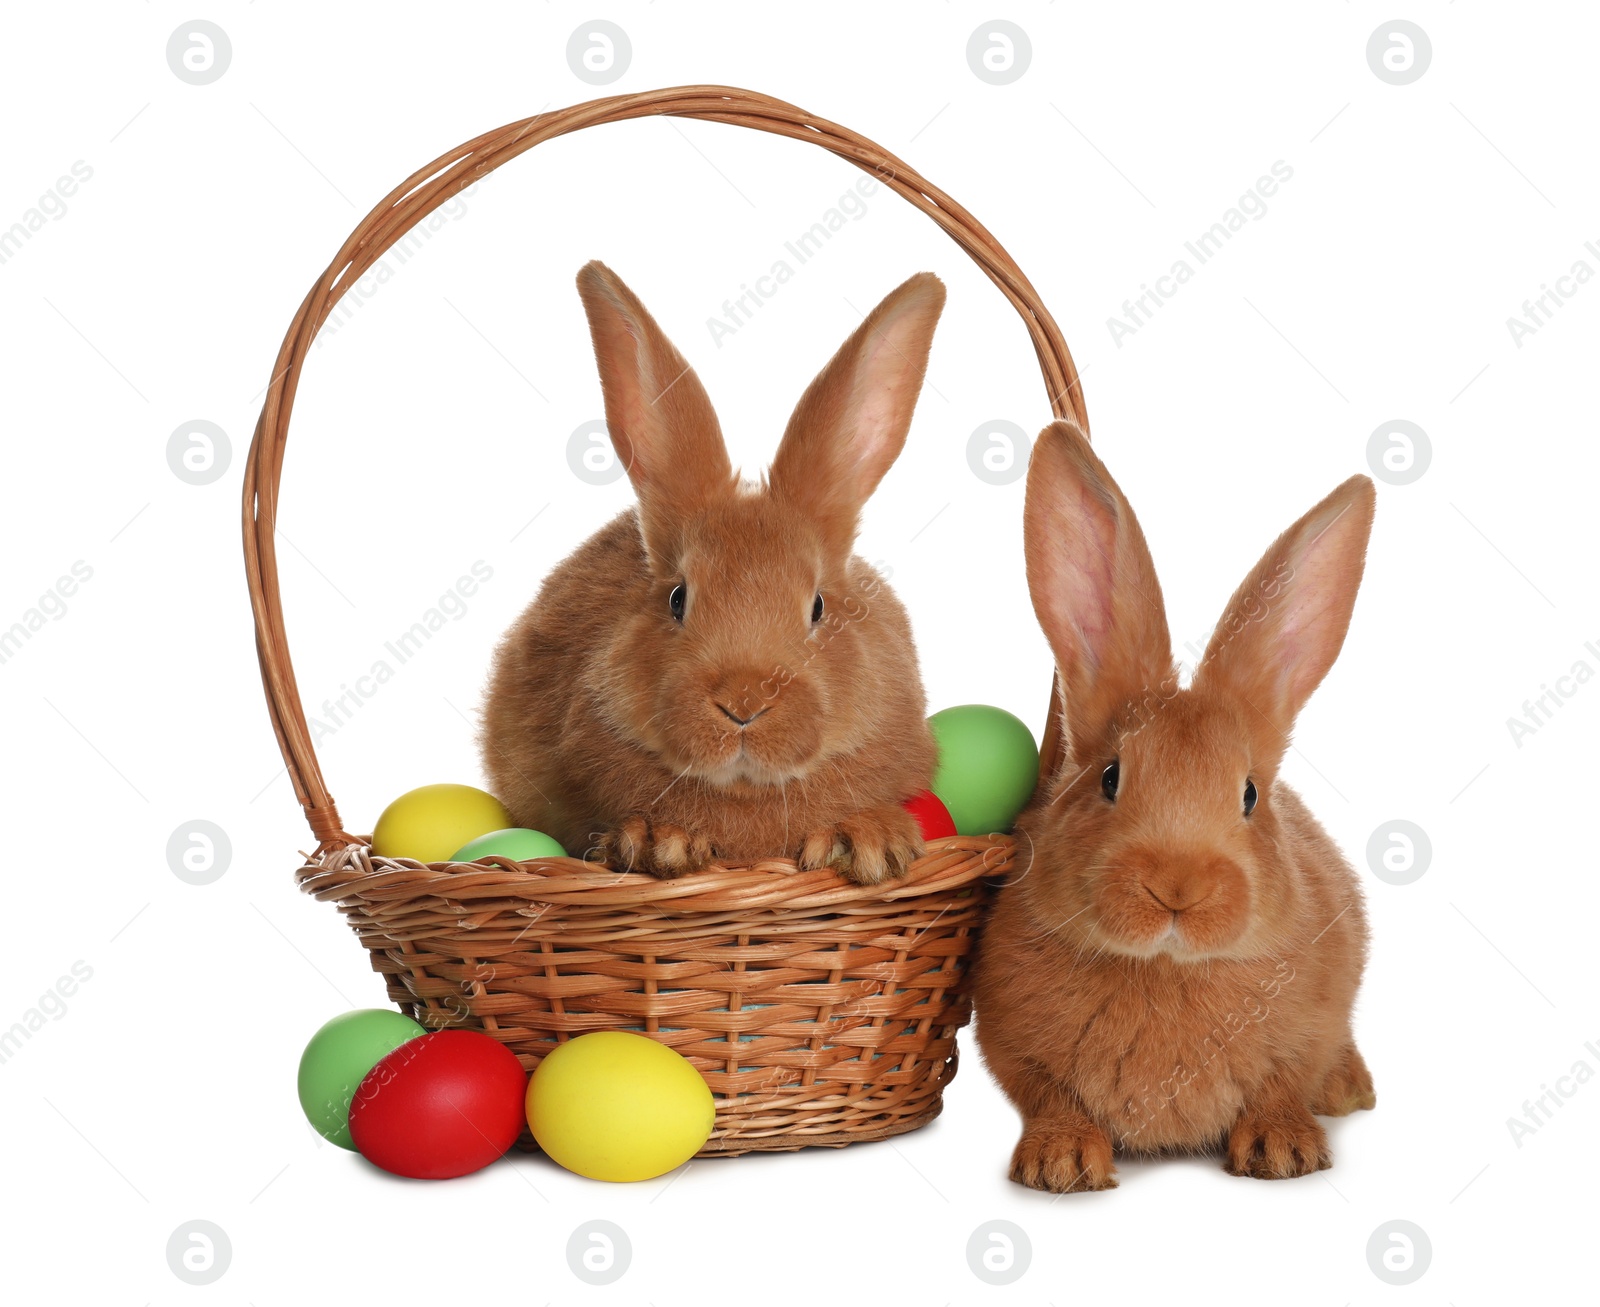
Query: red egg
[931, 815]
[440, 1105]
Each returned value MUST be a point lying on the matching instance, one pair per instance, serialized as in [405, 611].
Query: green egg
[337, 1060]
[988, 766]
[515, 843]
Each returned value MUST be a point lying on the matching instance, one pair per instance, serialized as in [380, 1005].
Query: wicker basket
[820, 1012]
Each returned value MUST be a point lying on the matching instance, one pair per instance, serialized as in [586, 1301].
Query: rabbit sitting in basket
[715, 674]
[1173, 966]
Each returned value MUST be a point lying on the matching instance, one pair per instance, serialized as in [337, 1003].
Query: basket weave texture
[820, 1012]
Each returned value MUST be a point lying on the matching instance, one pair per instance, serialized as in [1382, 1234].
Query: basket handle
[429, 187]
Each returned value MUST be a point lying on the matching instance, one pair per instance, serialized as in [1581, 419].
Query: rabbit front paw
[1277, 1141]
[1064, 1159]
[873, 846]
[656, 848]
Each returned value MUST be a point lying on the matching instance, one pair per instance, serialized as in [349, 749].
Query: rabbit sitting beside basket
[1174, 963]
[715, 674]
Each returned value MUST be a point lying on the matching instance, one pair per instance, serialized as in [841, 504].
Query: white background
[433, 427]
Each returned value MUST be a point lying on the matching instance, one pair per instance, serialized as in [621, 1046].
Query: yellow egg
[616, 1106]
[431, 823]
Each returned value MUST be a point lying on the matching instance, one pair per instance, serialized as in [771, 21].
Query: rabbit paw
[1064, 1159]
[656, 848]
[870, 847]
[1277, 1142]
[1347, 1089]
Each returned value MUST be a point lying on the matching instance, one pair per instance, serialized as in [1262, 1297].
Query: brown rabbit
[1173, 965]
[715, 674]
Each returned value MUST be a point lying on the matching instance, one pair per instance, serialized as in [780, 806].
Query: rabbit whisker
[670, 784]
[1059, 926]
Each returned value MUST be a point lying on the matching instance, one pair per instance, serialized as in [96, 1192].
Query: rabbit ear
[1285, 625]
[851, 423]
[1094, 589]
[661, 422]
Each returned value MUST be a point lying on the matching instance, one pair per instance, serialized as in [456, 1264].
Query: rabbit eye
[1249, 797]
[677, 599]
[816, 609]
[1108, 781]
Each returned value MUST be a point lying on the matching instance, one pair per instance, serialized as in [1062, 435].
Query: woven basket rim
[439, 181]
[342, 872]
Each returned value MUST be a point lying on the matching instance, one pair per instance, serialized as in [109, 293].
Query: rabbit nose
[741, 694]
[1180, 893]
[733, 716]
